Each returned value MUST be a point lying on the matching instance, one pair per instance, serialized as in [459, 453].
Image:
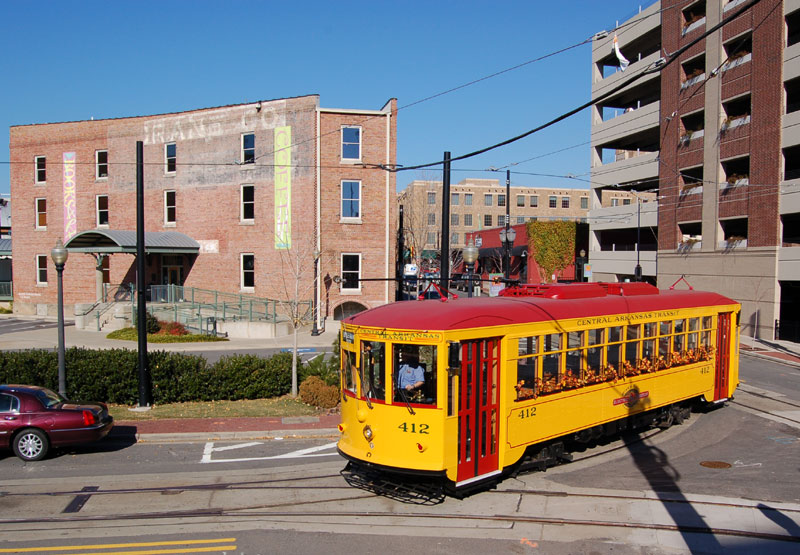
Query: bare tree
[297, 287]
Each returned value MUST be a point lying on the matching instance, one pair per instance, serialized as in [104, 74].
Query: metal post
[637, 272]
[62, 367]
[314, 306]
[444, 269]
[506, 253]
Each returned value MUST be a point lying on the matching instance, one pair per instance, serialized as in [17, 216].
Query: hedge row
[112, 375]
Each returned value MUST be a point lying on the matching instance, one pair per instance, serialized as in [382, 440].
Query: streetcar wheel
[31, 444]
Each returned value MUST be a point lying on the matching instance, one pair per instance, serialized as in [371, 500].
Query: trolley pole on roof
[444, 279]
[145, 387]
[506, 239]
[637, 272]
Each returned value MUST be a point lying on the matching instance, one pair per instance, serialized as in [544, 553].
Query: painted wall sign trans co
[631, 397]
[68, 190]
[404, 336]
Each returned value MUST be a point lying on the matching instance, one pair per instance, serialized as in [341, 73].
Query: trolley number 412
[414, 428]
[529, 412]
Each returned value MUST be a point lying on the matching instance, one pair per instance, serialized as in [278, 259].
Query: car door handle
[10, 418]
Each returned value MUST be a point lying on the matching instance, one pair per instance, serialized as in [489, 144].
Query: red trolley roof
[534, 303]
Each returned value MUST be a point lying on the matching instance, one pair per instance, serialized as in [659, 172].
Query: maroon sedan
[32, 419]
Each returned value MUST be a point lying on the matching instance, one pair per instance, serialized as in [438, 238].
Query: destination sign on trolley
[404, 336]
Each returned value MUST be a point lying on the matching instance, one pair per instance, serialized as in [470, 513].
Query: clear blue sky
[65, 61]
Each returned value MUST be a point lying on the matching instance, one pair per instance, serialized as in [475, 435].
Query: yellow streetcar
[470, 389]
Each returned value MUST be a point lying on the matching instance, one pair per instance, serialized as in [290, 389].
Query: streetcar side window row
[554, 362]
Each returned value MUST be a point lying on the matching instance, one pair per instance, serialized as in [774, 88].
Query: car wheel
[31, 444]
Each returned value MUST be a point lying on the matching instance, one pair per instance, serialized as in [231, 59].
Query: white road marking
[302, 453]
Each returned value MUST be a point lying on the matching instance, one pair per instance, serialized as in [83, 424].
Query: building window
[41, 213]
[248, 213]
[102, 210]
[431, 198]
[170, 216]
[487, 220]
[41, 169]
[487, 200]
[520, 200]
[626, 202]
[351, 199]
[520, 219]
[553, 202]
[431, 218]
[467, 199]
[454, 238]
[467, 220]
[170, 157]
[351, 272]
[453, 219]
[501, 219]
[534, 201]
[351, 143]
[454, 199]
[41, 269]
[614, 202]
[584, 203]
[101, 164]
[501, 200]
[431, 238]
[564, 202]
[248, 264]
[105, 268]
[249, 148]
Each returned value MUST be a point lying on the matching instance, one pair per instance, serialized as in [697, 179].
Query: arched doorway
[347, 309]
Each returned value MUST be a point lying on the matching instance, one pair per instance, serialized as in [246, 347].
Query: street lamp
[507, 237]
[59, 255]
[315, 308]
[470, 254]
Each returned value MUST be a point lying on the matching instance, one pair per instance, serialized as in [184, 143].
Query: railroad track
[444, 514]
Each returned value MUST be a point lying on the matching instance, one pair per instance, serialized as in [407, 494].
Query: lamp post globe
[59, 255]
[470, 254]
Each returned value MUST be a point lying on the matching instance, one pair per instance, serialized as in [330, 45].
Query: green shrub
[251, 377]
[315, 392]
[152, 325]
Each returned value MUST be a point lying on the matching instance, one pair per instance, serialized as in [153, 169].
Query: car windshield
[48, 398]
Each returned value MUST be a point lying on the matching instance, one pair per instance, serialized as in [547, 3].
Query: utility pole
[637, 272]
[145, 386]
[444, 278]
[506, 247]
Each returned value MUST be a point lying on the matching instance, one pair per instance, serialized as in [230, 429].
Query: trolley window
[415, 373]
[349, 370]
[373, 370]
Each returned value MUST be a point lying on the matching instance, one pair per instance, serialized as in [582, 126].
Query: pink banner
[70, 217]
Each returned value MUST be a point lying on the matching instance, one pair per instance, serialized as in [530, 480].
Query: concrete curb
[764, 356]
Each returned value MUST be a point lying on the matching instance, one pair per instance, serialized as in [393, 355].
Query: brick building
[237, 199]
[715, 134]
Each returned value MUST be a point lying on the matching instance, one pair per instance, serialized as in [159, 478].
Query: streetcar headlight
[368, 434]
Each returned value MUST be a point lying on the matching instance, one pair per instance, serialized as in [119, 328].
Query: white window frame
[349, 290]
[431, 218]
[360, 143]
[467, 199]
[243, 150]
[97, 165]
[167, 158]
[98, 210]
[553, 201]
[487, 200]
[242, 203]
[454, 219]
[467, 220]
[38, 212]
[242, 272]
[41, 266]
[167, 221]
[36, 169]
[564, 202]
[584, 201]
[431, 198]
[534, 201]
[487, 220]
[350, 219]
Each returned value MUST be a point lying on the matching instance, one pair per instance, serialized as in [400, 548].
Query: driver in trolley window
[411, 376]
